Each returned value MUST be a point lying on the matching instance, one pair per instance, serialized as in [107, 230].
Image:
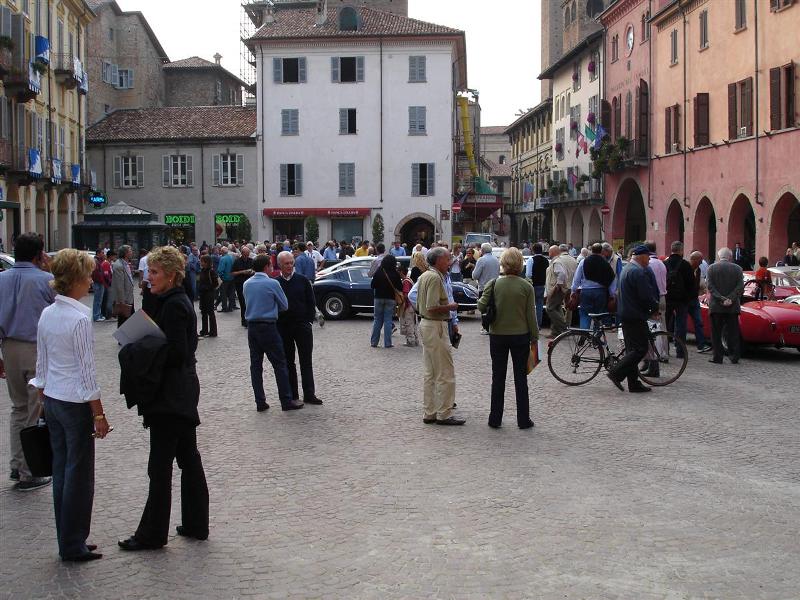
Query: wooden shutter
[412, 68]
[216, 161]
[277, 70]
[240, 169]
[701, 120]
[618, 118]
[284, 180]
[422, 116]
[342, 179]
[298, 180]
[335, 78]
[285, 122]
[747, 105]
[732, 112]
[605, 115]
[140, 171]
[668, 130]
[788, 71]
[165, 174]
[774, 5]
[130, 78]
[775, 98]
[643, 124]
[189, 172]
[294, 121]
[676, 124]
[301, 70]
[415, 179]
[117, 172]
[115, 76]
[431, 179]
[421, 65]
[343, 120]
[359, 68]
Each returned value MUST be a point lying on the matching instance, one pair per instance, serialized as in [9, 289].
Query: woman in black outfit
[207, 289]
[172, 415]
[385, 283]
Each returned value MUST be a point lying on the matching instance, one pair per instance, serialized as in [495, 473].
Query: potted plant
[6, 43]
[623, 144]
[559, 147]
[591, 66]
[39, 67]
[563, 188]
[591, 118]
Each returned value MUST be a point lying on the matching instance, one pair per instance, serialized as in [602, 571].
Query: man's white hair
[486, 248]
[563, 248]
[725, 253]
[283, 255]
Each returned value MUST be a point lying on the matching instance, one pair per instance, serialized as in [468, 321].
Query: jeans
[593, 301]
[263, 338]
[228, 296]
[173, 439]
[299, 335]
[97, 303]
[538, 291]
[456, 276]
[637, 344]
[384, 310]
[499, 347]
[694, 313]
[677, 318]
[71, 427]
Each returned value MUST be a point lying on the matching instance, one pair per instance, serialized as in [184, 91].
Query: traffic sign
[604, 210]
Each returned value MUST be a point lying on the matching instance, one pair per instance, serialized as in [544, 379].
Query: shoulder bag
[399, 297]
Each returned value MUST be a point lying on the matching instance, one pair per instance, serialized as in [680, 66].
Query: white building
[356, 115]
[575, 196]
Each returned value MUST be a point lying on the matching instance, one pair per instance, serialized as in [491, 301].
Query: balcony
[6, 154]
[68, 70]
[26, 165]
[24, 83]
[6, 61]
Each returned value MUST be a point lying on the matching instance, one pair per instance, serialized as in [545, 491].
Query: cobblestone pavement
[688, 492]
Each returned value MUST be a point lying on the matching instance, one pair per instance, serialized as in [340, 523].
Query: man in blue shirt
[398, 250]
[330, 255]
[597, 282]
[303, 263]
[228, 287]
[264, 298]
[24, 293]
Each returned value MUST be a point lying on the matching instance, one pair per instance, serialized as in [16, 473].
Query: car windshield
[359, 275]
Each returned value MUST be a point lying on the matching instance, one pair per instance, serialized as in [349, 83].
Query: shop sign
[179, 220]
[287, 212]
[445, 215]
[229, 218]
[321, 212]
[482, 199]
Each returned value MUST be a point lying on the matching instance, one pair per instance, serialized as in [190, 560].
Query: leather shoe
[134, 545]
[91, 547]
[450, 421]
[262, 407]
[312, 400]
[292, 406]
[638, 389]
[716, 362]
[734, 361]
[85, 557]
[495, 425]
[615, 381]
[189, 533]
[429, 421]
[527, 425]
[645, 366]
[651, 372]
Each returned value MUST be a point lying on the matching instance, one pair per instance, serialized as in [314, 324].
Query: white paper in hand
[138, 326]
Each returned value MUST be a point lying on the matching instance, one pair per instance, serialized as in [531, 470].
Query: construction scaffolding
[251, 18]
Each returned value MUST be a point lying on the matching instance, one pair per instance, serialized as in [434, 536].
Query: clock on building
[629, 38]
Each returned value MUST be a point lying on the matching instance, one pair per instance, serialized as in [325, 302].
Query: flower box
[591, 118]
[591, 67]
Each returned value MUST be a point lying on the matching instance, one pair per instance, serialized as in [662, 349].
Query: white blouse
[65, 367]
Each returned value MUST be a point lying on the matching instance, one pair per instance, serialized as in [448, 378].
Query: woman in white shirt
[65, 376]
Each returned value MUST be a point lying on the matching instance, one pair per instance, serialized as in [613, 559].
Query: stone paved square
[688, 492]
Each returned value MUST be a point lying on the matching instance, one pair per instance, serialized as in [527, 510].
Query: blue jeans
[538, 291]
[694, 313]
[456, 276]
[71, 429]
[593, 300]
[97, 304]
[263, 338]
[384, 311]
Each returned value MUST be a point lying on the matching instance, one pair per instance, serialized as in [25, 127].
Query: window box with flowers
[6, 47]
[591, 118]
[591, 67]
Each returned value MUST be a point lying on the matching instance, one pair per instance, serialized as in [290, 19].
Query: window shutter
[140, 171]
[130, 78]
[789, 105]
[298, 180]
[342, 179]
[605, 115]
[431, 179]
[294, 121]
[732, 132]
[643, 124]
[216, 159]
[747, 121]
[343, 121]
[301, 69]
[618, 117]
[240, 169]
[421, 64]
[359, 68]
[775, 98]
[114, 76]
[352, 178]
[277, 70]
[668, 130]
[189, 172]
[774, 5]
[284, 180]
[33, 130]
[117, 171]
[335, 69]
[422, 126]
[4, 118]
[702, 132]
[412, 119]
[415, 179]
[165, 178]
[676, 124]
[412, 68]
[285, 122]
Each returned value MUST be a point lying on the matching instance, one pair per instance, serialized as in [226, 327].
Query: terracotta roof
[175, 123]
[195, 62]
[493, 130]
[301, 23]
[498, 170]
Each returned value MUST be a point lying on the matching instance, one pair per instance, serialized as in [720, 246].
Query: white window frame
[417, 69]
[296, 180]
[347, 179]
[177, 171]
[290, 121]
[417, 120]
[344, 121]
[416, 179]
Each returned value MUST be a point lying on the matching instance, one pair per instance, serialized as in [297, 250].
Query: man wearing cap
[637, 299]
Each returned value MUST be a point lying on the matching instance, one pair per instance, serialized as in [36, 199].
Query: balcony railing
[68, 69]
[25, 83]
[5, 152]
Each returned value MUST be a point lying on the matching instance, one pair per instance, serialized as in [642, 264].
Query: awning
[319, 212]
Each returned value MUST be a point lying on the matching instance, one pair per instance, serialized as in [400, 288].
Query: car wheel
[725, 347]
[335, 306]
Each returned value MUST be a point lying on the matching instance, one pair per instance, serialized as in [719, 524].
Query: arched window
[594, 8]
[574, 10]
[613, 117]
[629, 115]
[349, 19]
[566, 18]
[502, 159]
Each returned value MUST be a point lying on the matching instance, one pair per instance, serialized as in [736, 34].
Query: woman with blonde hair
[514, 331]
[418, 265]
[66, 379]
[172, 415]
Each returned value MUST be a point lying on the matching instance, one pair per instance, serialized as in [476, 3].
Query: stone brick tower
[582, 20]
[552, 39]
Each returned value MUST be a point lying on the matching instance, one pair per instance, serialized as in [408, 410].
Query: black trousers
[171, 440]
[228, 295]
[637, 341]
[499, 347]
[242, 305]
[299, 335]
[729, 321]
[207, 312]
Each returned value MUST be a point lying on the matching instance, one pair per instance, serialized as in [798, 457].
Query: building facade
[356, 118]
[43, 177]
[194, 167]
[195, 81]
[494, 144]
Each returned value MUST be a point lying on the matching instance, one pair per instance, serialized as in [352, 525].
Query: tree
[244, 230]
[312, 229]
[377, 229]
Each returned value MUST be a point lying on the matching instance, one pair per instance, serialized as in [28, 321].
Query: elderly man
[698, 287]
[24, 293]
[228, 288]
[486, 269]
[294, 326]
[556, 286]
[638, 300]
[725, 286]
[439, 380]
[122, 286]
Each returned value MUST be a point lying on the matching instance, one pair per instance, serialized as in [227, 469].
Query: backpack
[97, 274]
[675, 283]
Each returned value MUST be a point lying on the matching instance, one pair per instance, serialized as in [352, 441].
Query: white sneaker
[101, 319]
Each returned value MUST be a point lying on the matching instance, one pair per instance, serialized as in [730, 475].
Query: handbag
[490, 315]
[120, 309]
[36, 448]
[533, 358]
[399, 297]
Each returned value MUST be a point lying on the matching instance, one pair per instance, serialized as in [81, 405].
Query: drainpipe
[47, 224]
[685, 115]
[263, 146]
[381, 117]
[756, 94]
[650, 96]
[202, 174]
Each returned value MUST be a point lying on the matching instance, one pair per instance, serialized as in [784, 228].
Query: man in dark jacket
[536, 271]
[680, 285]
[637, 301]
[725, 286]
[294, 325]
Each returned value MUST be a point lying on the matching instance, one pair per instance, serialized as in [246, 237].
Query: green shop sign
[179, 220]
[229, 219]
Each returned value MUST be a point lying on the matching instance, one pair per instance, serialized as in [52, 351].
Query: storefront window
[226, 226]
[292, 229]
[181, 228]
[347, 229]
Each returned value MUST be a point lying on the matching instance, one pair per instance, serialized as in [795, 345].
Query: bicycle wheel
[575, 358]
[668, 358]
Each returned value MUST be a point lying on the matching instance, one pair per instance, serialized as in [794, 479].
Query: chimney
[217, 58]
[269, 14]
[322, 12]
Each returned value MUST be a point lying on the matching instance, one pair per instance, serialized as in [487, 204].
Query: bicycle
[576, 356]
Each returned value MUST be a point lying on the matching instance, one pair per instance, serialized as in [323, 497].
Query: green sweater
[516, 306]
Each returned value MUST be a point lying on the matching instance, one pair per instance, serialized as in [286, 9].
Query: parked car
[347, 291]
[6, 261]
[358, 261]
[792, 299]
[785, 283]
